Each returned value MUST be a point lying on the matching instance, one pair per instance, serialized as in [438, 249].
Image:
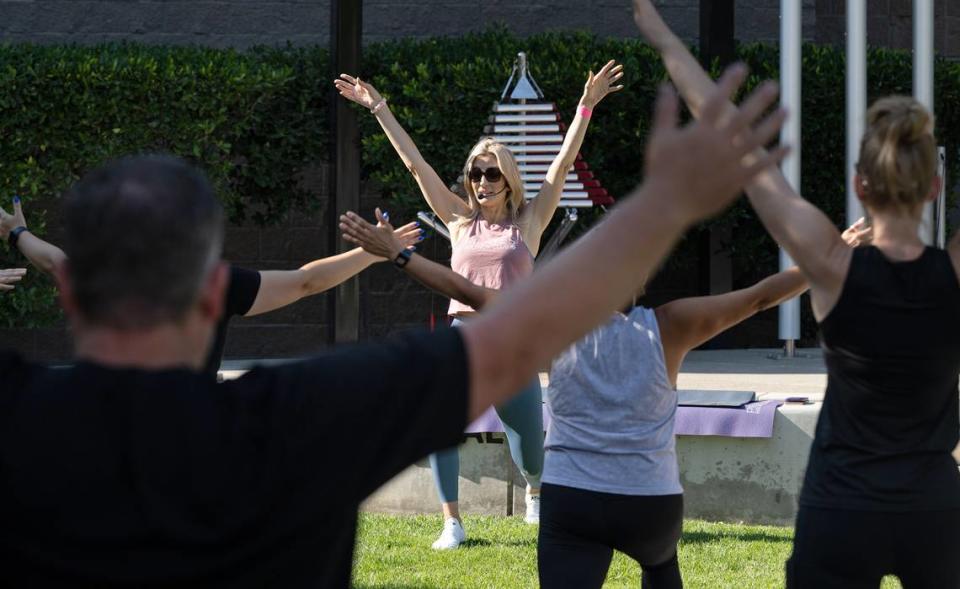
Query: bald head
[141, 234]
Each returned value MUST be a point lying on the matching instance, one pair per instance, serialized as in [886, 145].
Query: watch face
[402, 258]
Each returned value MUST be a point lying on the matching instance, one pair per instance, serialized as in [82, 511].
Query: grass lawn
[394, 551]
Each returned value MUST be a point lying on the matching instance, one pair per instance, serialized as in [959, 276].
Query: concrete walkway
[764, 371]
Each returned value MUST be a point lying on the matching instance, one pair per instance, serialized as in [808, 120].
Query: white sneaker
[451, 536]
[533, 508]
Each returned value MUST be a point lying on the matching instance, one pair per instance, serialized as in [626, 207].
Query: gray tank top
[612, 409]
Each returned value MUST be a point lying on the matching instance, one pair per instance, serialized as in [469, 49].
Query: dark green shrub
[254, 119]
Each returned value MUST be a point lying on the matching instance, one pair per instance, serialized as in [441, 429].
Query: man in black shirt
[249, 292]
[134, 468]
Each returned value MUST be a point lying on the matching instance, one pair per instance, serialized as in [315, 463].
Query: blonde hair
[511, 174]
[898, 154]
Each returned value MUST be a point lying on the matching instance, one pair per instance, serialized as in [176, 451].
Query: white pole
[791, 19]
[923, 84]
[856, 96]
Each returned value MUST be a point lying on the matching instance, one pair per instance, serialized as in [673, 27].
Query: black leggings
[854, 549]
[579, 530]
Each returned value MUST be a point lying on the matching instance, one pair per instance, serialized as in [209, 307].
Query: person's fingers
[5, 286]
[616, 88]
[772, 158]
[728, 84]
[754, 106]
[17, 272]
[17, 206]
[414, 234]
[665, 109]
[352, 223]
[356, 234]
[349, 78]
[414, 226]
[355, 218]
[768, 130]
[383, 217]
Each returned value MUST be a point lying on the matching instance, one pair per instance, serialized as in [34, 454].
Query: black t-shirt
[890, 414]
[122, 477]
[241, 293]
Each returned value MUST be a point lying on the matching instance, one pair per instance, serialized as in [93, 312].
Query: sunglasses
[491, 174]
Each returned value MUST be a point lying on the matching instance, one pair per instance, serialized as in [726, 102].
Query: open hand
[10, 222]
[381, 240]
[602, 83]
[8, 278]
[858, 234]
[360, 92]
[705, 165]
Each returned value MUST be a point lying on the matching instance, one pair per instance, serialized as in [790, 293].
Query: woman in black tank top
[882, 491]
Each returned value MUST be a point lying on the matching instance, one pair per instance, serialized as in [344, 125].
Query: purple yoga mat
[753, 420]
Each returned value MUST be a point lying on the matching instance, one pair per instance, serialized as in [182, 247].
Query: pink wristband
[584, 112]
[379, 106]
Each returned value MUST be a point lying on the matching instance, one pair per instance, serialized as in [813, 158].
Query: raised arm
[540, 210]
[379, 240]
[689, 322]
[798, 226]
[279, 288]
[43, 255]
[444, 203]
[692, 173]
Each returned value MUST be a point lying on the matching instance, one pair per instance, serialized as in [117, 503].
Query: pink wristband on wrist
[584, 112]
[376, 108]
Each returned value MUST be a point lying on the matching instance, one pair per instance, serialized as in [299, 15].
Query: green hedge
[253, 119]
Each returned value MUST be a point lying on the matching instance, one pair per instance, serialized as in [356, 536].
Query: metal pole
[791, 19]
[856, 96]
[940, 223]
[923, 85]
[346, 30]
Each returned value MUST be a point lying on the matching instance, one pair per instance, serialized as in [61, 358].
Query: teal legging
[522, 419]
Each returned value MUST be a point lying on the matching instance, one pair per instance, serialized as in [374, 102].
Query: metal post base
[789, 351]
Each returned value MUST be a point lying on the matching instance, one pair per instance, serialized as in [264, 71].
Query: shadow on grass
[484, 543]
[701, 537]
[475, 543]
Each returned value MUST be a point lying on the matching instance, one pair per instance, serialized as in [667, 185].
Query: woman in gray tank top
[611, 480]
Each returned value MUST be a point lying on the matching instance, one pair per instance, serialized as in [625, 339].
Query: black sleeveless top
[890, 414]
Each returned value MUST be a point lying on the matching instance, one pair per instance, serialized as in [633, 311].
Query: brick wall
[890, 24]
[241, 23]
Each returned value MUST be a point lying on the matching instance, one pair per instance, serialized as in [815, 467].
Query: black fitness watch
[402, 258]
[15, 235]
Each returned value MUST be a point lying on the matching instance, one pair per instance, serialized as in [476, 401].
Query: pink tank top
[490, 255]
